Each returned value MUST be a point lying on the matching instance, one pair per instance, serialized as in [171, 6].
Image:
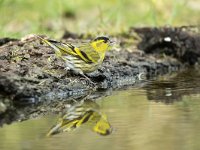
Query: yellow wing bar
[87, 56]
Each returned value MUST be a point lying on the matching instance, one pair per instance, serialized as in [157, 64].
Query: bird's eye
[105, 41]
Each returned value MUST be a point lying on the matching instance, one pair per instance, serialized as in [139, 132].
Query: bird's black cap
[106, 39]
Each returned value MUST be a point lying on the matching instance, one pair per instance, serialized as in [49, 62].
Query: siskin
[85, 112]
[82, 59]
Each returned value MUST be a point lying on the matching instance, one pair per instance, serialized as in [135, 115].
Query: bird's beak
[112, 43]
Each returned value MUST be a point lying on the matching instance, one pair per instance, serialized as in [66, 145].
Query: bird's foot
[88, 81]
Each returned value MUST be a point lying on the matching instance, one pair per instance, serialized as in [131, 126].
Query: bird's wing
[84, 52]
[62, 47]
[89, 51]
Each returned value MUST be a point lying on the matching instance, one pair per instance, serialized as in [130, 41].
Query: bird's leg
[79, 72]
[82, 74]
[69, 71]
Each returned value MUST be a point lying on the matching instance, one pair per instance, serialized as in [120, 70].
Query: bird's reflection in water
[84, 113]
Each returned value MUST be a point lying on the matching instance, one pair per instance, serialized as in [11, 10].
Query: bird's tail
[51, 43]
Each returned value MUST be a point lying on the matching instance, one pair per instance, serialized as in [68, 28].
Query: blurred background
[53, 18]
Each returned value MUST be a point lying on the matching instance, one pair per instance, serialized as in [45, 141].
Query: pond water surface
[162, 115]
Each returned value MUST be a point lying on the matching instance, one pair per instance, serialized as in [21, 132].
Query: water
[165, 114]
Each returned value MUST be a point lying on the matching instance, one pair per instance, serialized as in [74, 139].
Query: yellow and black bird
[84, 113]
[82, 59]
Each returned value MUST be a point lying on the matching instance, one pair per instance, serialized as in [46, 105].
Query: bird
[83, 113]
[85, 58]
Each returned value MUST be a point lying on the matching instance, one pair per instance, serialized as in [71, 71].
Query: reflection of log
[170, 90]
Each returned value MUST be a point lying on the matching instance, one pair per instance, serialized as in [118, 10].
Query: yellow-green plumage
[81, 59]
